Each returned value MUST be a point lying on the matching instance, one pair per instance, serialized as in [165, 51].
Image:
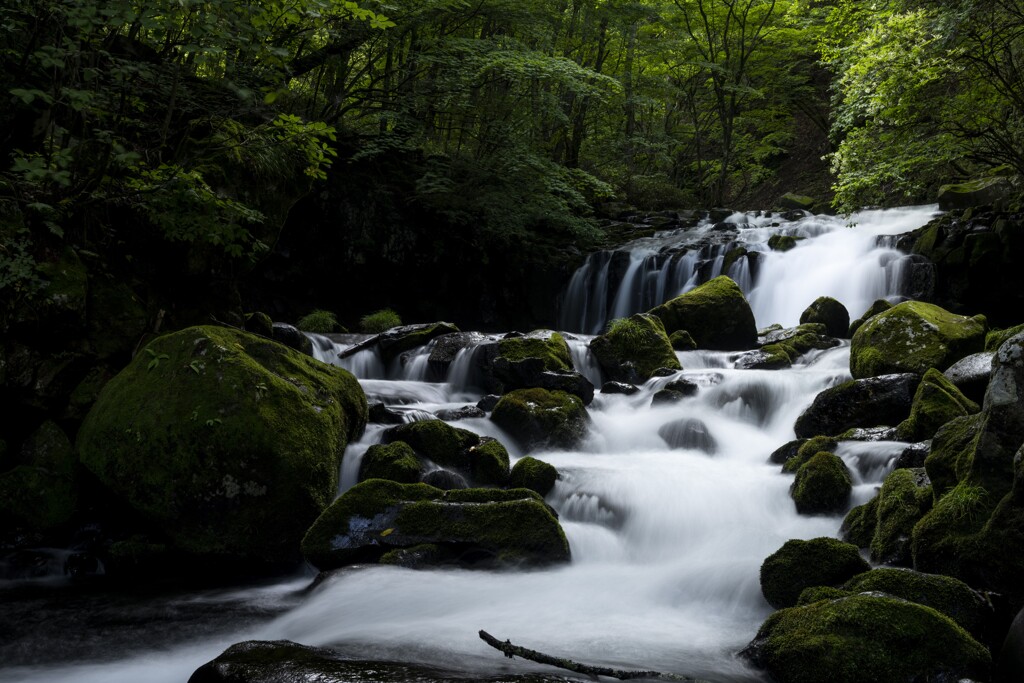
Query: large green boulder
[978, 192]
[912, 337]
[830, 313]
[936, 402]
[479, 527]
[864, 639]
[822, 485]
[39, 493]
[905, 497]
[634, 348]
[394, 461]
[879, 306]
[533, 474]
[226, 443]
[716, 314]
[483, 461]
[540, 359]
[803, 564]
[805, 450]
[858, 526]
[538, 418]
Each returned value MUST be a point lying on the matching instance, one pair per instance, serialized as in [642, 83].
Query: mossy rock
[806, 450]
[954, 598]
[226, 443]
[936, 402]
[859, 524]
[830, 313]
[869, 402]
[977, 192]
[533, 474]
[791, 201]
[40, 494]
[259, 323]
[394, 461]
[483, 460]
[864, 638]
[549, 347]
[486, 527]
[905, 497]
[397, 340]
[912, 337]
[801, 564]
[731, 257]
[634, 348]
[822, 485]
[539, 360]
[716, 314]
[783, 242]
[682, 341]
[879, 306]
[996, 338]
[952, 452]
[538, 417]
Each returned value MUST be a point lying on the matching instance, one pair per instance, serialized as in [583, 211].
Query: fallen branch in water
[510, 651]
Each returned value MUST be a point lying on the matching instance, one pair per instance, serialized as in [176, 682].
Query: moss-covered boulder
[483, 461]
[397, 340]
[783, 242]
[791, 201]
[293, 338]
[866, 638]
[859, 524]
[716, 314]
[954, 598]
[259, 323]
[682, 341]
[905, 497]
[688, 433]
[996, 338]
[479, 527]
[978, 192]
[533, 474]
[802, 564]
[912, 337]
[830, 313]
[540, 359]
[879, 306]
[883, 400]
[936, 402]
[805, 449]
[971, 374]
[394, 461]
[226, 443]
[634, 348]
[40, 493]
[822, 485]
[538, 418]
[780, 347]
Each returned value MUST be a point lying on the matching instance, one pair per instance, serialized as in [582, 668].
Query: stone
[634, 348]
[882, 400]
[978, 192]
[483, 461]
[538, 418]
[533, 474]
[790, 201]
[688, 433]
[682, 341]
[830, 313]
[394, 461]
[971, 374]
[936, 402]
[783, 242]
[822, 485]
[879, 306]
[622, 388]
[397, 340]
[463, 413]
[716, 314]
[290, 336]
[905, 497]
[539, 360]
[802, 564]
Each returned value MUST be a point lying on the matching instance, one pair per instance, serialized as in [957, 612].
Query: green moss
[533, 474]
[802, 564]
[732, 257]
[259, 323]
[319, 322]
[716, 314]
[552, 350]
[682, 341]
[952, 452]
[796, 201]
[996, 338]
[380, 321]
[227, 443]
[634, 348]
[394, 461]
[879, 306]
[814, 594]
[866, 638]
[822, 485]
[913, 337]
[807, 449]
[484, 460]
[830, 313]
[536, 417]
[396, 341]
[939, 538]
[489, 462]
[902, 502]
[936, 402]
[782, 242]
[859, 524]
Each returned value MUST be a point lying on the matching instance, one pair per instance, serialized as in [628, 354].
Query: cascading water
[666, 542]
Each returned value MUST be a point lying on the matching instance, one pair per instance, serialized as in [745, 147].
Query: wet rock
[539, 360]
[830, 313]
[689, 433]
[802, 564]
[397, 340]
[971, 374]
[682, 341]
[488, 402]
[634, 348]
[540, 418]
[394, 461]
[822, 485]
[716, 314]
[913, 455]
[533, 474]
[936, 402]
[666, 397]
[623, 388]
[683, 386]
[869, 434]
[446, 480]
[259, 323]
[913, 337]
[786, 452]
[463, 413]
[447, 347]
[879, 306]
[859, 525]
[782, 242]
[290, 336]
[486, 527]
[379, 413]
[770, 358]
[482, 460]
[905, 497]
[882, 400]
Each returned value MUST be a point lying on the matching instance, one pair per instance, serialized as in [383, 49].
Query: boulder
[936, 402]
[802, 564]
[463, 413]
[859, 524]
[533, 474]
[483, 461]
[689, 433]
[682, 341]
[783, 242]
[634, 348]
[539, 360]
[863, 638]
[869, 434]
[978, 192]
[996, 338]
[789, 344]
[790, 201]
[879, 306]
[446, 480]
[905, 497]
[623, 388]
[394, 461]
[259, 323]
[447, 347]
[883, 400]
[716, 314]
[913, 455]
[912, 337]
[290, 336]
[971, 374]
[786, 452]
[772, 357]
[397, 340]
[830, 313]
[210, 433]
[379, 413]
[667, 397]
[805, 449]
[538, 418]
[474, 527]
[822, 485]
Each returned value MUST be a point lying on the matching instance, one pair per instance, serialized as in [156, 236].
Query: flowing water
[666, 543]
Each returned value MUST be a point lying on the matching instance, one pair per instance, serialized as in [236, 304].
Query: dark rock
[393, 461]
[666, 396]
[446, 480]
[259, 323]
[786, 452]
[716, 314]
[905, 497]
[802, 564]
[533, 474]
[539, 360]
[879, 306]
[936, 402]
[290, 336]
[482, 460]
[980, 192]
[664, 372]
[859, 403]
[971, 374]
[463, 413]
[488, 402]
[397, 340]
[538, 418]
[763, 359]
[870, 434]
[913, 455]
[1010, 661]
[634, 348]
[379, 413]
[682, 341]
[689, 433]
[619, 388]
[822, 485]
[683, 386]
[807, 449]
[782, 242]
[830, 313]
[40, 493]
[447, 347]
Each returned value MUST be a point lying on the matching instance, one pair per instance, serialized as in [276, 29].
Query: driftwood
[353, 350]
[510, 651]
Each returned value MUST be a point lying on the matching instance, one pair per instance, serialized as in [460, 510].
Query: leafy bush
[320, 322]
[378, 322]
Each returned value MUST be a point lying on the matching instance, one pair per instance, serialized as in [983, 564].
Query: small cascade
[414, 367]
[583, 360]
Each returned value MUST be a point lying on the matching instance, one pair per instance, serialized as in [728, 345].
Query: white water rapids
[666, 544]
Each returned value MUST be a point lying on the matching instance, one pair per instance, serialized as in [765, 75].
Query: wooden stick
[510, 651]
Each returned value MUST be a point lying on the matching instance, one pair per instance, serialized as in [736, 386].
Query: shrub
[320, 322]
[378, 322]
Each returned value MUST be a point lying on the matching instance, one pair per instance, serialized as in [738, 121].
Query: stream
[666, 543]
